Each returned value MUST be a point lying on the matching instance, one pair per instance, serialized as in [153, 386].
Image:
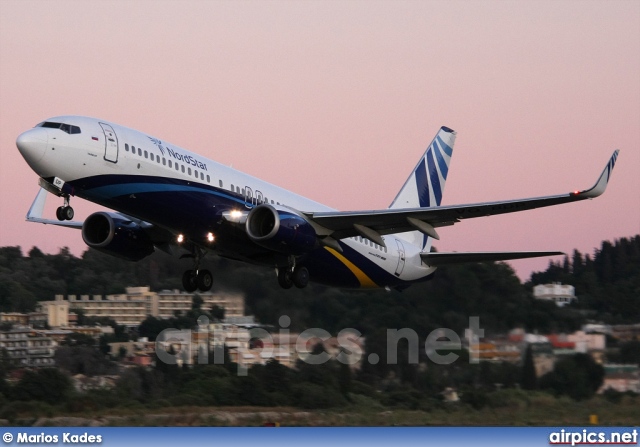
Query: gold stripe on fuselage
[365, 281]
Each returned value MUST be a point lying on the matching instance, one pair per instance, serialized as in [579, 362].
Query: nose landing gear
[65, 212]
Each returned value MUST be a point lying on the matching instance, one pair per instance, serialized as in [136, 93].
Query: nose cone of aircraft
[32, 144]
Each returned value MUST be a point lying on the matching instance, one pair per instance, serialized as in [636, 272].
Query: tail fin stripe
[434, 178]
[422, 185]
[441, 163]
[445, 147]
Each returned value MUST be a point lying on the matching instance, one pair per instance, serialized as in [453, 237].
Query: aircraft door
[110, 143]
[401, 258]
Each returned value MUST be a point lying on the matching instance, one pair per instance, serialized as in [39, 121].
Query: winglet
[602, 182]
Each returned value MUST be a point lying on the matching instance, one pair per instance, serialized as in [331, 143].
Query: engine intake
[111, 234]
[280, 230]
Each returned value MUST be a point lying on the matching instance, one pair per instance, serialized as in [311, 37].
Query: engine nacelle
[114, 235]
[280, 230]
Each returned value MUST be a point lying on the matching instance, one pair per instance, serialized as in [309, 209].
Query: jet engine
[117, 236]
[280, 230]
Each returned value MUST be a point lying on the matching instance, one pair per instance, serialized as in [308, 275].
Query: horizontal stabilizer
[437, 259]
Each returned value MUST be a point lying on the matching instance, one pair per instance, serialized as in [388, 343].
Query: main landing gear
[293, 276]
[65, 212]
[193, 280]
[196, 278]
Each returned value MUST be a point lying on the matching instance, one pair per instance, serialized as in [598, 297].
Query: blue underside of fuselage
[194, 209]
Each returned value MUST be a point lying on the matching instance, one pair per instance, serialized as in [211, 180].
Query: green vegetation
[607, 284]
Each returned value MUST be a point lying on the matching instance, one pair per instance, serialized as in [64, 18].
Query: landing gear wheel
[189, 281]
[64, 213]
[204, 280]
[284, 278]
[300, 277]
[68, 213]
[60, 213]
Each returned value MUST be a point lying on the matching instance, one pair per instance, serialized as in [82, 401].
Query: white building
[588, 342]
[561, 294]
[25, 348]
[136, 304]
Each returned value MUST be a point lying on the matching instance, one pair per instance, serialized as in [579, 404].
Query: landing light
[210, 237]
[180, 238]
[236, 214]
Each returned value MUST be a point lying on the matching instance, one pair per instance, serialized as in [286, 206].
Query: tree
[49, 385]
[529, 381]
[78, 339]
[196, 302]
[83, 359]
[217, 312]
[577, 376]
[344, 379]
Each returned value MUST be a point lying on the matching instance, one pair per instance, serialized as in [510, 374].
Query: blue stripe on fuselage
[189, 207]
[194, 209]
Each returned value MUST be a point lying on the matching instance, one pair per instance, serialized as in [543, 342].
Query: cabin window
[195, 173]
[126, 147]
[140, 152]
[189, 169]
[146, 154]
[220, 183]
[164, 161]
[182, 167]
[177, 167]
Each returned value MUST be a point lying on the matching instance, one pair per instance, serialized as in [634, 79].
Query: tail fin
[425, 185]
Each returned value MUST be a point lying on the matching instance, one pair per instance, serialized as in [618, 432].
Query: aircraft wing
[373, 224]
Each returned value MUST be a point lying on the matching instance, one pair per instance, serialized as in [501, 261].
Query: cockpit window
[68, 128]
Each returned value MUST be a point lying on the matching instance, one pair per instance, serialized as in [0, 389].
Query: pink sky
[337, 100]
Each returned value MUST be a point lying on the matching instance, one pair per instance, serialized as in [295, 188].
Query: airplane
[166, 197]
